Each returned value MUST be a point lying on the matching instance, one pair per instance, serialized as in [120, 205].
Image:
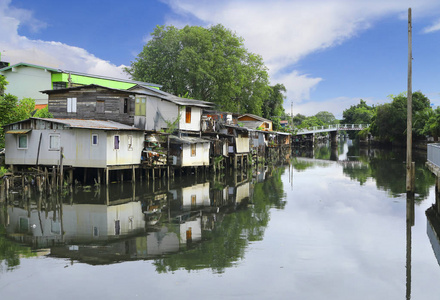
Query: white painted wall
[196, 116]
[200, 159]
[77, 148]
[124, 155]
[27, 82]
[242, 144]
[158, 111]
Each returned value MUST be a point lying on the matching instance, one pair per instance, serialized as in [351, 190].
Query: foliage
[3, 84]
[358, 114]
[389, 124]
[12, 110]
[327, 118]
[427, 122]
[11, 252]
[210, 64]
[3, 171]
[273, 104]
[298, 119]
[43, 113]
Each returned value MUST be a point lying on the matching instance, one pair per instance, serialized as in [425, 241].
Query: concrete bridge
[331, 129]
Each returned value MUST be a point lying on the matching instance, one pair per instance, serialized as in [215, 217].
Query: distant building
[27, 80]
[255, 122]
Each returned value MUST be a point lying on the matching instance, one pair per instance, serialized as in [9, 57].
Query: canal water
[331, 224]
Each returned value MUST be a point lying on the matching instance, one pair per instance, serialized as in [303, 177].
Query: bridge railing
[334, 127]
[434, 154]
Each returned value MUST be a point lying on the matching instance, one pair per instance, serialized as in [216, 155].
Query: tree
[210, 64]
[273, 105]
[326, 117]
[358, 114]
[389, 124]
[12, 110]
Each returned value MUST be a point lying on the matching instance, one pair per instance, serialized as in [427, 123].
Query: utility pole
[410, 168]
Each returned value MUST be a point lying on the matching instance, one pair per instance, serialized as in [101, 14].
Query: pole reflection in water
[410, 216]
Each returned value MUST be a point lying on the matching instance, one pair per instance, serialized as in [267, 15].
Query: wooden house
[74, 143]
[93, 102]
[157, 110]
[189, 151]
[255, 122]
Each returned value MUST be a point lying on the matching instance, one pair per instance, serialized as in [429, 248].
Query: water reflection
[386, 168]
[191, 222]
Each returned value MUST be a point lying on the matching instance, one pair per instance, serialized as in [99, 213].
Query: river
[332, 224]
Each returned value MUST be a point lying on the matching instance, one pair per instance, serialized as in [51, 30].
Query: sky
[328, 53]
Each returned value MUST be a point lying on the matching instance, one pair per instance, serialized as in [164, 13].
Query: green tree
[210, 64]
[273, 105]
[389, 123]
[358, 114]
[326, 117]
[12, 110]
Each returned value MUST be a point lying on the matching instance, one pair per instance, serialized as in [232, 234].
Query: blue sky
[328, 53]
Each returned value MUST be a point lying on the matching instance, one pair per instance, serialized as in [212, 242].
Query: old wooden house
[189, 151]
[93, 102]
[157, 110]
[87, 144]
[255, 122]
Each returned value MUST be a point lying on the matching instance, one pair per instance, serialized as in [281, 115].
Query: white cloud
[432, 28]
[16, 48]
[285, 31]
[334, 105]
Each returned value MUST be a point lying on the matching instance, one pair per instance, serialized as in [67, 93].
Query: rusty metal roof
[186, 140]
[18, 131]
[91, 124]
[144, 89]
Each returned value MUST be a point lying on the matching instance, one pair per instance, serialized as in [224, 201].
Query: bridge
[330, 128]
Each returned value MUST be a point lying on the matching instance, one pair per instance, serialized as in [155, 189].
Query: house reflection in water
[433, 226]
[145, 226]
[74, 223]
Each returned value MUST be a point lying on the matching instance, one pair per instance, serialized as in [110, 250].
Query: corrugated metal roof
[91, 124]
[18, 131]
[170, 97]
[255, 117]
[186, 140]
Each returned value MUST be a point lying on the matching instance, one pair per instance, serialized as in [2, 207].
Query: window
[193, 149]
[125, 105]
[59, 85]
[22, 141]
[54, 142]
[116, 142]
[188, 114]
[94, 140]
[130, 142]
[71, 105]
[140, 106]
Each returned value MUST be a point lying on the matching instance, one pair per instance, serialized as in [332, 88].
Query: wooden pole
[409, 179]
[61, 168]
